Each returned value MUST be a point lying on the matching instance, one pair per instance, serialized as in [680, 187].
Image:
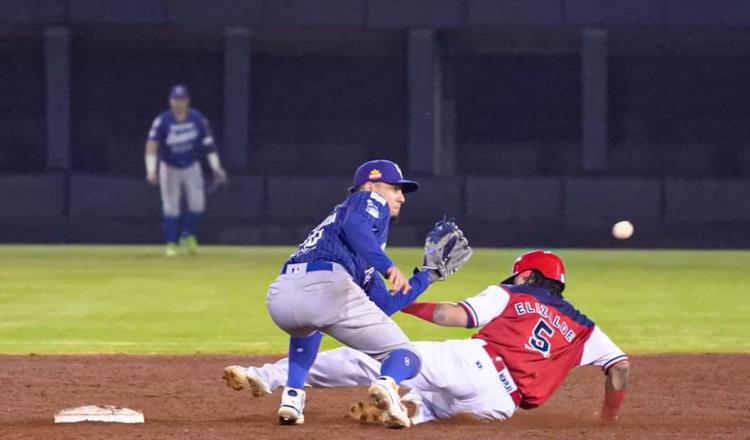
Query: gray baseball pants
[302, 302]
[174, 182]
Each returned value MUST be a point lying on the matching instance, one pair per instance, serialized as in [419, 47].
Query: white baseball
[623, 230]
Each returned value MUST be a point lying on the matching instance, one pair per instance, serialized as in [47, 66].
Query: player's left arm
[601, 352]
[390, 304]
[212, 153]
[472, 312]
[618, 378]
[362, 214]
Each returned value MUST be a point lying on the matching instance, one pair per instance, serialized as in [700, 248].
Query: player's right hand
[399, 283]
[153, 179]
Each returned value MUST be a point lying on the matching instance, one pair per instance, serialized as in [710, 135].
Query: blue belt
[312, 266]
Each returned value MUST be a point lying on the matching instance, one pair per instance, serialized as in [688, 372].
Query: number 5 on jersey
[540, 338]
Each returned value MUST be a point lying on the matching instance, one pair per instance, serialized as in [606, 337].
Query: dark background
[329, 88]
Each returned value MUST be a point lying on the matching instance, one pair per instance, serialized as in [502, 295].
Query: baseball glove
[445, 250]
[368, 414]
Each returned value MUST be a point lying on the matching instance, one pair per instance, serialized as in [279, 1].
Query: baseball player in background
[529, 338]
[179, 138]
[322, 289]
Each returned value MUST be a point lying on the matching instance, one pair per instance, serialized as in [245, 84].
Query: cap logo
[375, 174]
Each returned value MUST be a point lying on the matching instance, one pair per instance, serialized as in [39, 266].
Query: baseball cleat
[292, 405]
[240, 378]
[171, 250]
[190, 243]
[384, 395]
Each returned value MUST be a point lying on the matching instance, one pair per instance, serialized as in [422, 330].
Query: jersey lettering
[368, 275]
[316, 234]
[522, 308]
[181, 133]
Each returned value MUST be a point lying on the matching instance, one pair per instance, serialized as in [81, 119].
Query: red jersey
[540, 336]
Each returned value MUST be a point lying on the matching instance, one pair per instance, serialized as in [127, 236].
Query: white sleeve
[485, 306]
[600, 351]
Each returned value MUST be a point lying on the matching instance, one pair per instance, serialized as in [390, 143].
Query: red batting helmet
[545, 262]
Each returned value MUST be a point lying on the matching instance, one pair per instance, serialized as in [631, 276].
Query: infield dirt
[183, 397]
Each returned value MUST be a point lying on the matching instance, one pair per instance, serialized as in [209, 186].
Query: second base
[94, 413]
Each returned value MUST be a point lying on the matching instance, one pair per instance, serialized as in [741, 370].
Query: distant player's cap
[382, 171]
[179, 92]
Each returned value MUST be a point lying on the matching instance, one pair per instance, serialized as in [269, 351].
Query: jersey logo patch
[373, 209]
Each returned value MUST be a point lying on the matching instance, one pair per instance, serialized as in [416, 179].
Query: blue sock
[302, 354]
[171, 228]
[190, 223]
[400, 365]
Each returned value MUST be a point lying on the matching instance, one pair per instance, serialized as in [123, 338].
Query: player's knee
[197, 207]
[622, 368]
[410, 355]
[170, 210]
[416, 355]
[196, 202]
[620, 374]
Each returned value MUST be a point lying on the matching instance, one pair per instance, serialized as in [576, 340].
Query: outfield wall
[496, 211]
[631, 109]
[638, 88]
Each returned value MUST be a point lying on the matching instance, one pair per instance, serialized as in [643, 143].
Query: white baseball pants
[457, 377]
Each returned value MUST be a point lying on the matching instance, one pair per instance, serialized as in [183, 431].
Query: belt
[313, 266]
[504, 374]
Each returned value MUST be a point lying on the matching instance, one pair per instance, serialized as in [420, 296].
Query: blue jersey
[182, 143]
[354, 236]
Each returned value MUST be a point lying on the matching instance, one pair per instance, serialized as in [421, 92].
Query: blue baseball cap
[382, 170]
[179, 92]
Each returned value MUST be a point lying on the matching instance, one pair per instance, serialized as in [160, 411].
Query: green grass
[131, 299]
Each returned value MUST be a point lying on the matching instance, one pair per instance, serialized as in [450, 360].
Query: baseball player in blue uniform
[446, 251]
[322, 286]
[179, 138]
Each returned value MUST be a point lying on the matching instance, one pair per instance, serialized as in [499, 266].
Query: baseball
[622, 230]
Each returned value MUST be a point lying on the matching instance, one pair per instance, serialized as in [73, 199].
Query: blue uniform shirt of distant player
[182, 143]
[354, 236]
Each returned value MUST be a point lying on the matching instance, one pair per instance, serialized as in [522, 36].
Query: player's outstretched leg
[340, 367]
[302, 354]
[401, 364]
